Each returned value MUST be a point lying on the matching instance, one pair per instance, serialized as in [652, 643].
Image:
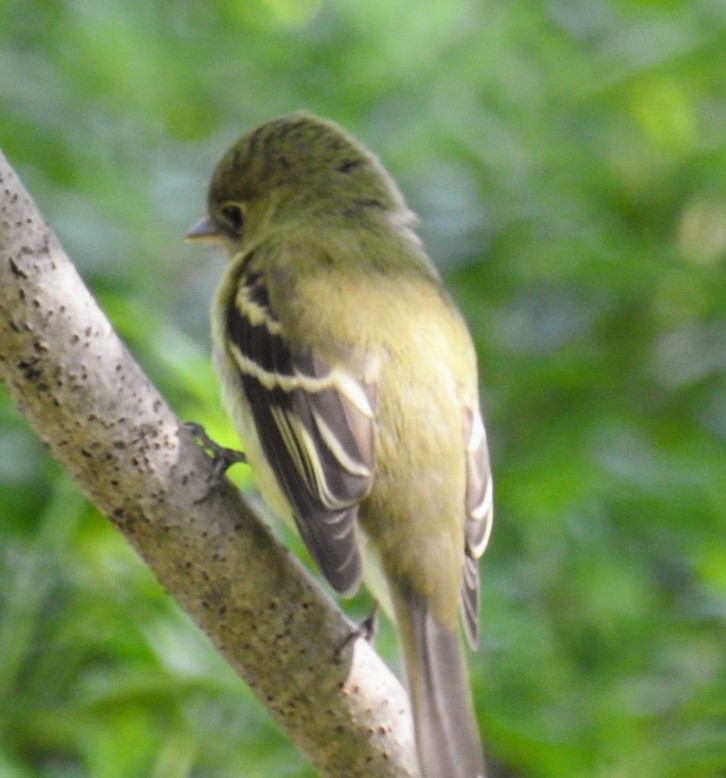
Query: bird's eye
[233, 217]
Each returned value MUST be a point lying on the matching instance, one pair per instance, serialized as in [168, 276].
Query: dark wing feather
[315, 425]
[478, 504]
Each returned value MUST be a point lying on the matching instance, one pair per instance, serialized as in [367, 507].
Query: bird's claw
[222, 458]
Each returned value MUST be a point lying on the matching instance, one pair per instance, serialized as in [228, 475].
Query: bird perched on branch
[352, 380]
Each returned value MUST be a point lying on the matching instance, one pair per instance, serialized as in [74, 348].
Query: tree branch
[88, 400]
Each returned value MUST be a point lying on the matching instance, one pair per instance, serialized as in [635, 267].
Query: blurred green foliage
[568, 160]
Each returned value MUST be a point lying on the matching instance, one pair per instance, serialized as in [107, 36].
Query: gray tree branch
[101, 418]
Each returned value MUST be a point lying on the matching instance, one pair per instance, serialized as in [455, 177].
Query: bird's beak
[204, 229]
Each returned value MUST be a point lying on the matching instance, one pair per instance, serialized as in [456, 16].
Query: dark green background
[568, 160]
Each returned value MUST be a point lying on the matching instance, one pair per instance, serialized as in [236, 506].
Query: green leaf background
[568, 161]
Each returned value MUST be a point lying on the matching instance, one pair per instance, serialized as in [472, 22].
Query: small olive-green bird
[352, 381]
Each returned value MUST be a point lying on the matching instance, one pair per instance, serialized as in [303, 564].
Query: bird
[352, 380]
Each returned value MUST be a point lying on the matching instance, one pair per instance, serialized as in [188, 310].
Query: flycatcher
[352, 380]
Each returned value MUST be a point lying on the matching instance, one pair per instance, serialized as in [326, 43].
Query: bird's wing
[479, 513]
[315, 424]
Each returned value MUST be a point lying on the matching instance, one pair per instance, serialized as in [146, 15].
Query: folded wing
[315, 424]
[478, 516]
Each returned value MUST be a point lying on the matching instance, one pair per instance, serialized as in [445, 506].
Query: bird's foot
[222, 458]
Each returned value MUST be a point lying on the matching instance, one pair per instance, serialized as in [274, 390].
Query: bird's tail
[447, 737]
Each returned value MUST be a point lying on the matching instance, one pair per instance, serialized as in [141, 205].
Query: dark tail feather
[447, 737]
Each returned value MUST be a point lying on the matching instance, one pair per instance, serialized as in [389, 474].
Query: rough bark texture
[84, 395]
